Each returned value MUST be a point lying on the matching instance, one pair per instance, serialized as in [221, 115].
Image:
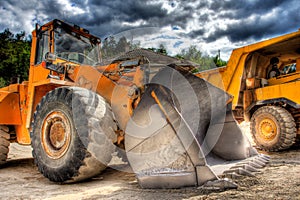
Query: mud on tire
[273, 128]
[4, 143]
[72, 134]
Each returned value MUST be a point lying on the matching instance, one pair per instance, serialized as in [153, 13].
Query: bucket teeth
[256, 162]
[265, 156]
[233, 175]
[240, 171]
[246, 167]
[249, 167]
[264, 159]
[220, 184]
[253, 164]
[260, 161]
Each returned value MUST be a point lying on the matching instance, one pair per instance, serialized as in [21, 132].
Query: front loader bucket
[183, 133]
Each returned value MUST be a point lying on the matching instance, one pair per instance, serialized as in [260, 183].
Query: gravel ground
[20, 179]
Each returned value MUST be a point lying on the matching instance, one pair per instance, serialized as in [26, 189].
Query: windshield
[76, 48]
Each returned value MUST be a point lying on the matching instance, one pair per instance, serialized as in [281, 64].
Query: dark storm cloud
[132, 10]
[23, 4]
[196, 33]
[204, 20]
[106, 17]
[255, 19]
[119, 11]
[243, 8]
[52, 9]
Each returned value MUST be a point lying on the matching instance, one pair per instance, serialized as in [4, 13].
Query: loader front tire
[273, 128]
[72, 134]
[4, 143]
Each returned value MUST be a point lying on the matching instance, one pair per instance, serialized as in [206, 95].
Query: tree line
[112, 47]
[205, 61]
[15, 55]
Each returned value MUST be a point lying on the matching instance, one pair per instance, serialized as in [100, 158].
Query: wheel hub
[56, 134]
[268, 129]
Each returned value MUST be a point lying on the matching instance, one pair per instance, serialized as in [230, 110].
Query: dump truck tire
[273, 128]
[4, 143]
[72, 133]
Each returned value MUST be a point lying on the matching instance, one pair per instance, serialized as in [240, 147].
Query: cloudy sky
[209, 24]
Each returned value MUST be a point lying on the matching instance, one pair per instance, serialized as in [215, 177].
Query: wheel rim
[56, 134]
[267, 129]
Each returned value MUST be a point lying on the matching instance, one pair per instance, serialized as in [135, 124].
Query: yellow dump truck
[264, 80]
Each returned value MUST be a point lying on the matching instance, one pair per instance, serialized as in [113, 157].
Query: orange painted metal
[37, 90]
[115, 90]
[267, 129]
[13, 100]
[21, 130]
[10, 109]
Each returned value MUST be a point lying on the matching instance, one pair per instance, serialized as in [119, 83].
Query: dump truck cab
[258, 94]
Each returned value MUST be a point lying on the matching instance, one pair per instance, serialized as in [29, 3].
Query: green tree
[123, 45]
[218, 61]
[109, 47]
[14, 56]
[161, 49]
[193, 54]
[112, 48]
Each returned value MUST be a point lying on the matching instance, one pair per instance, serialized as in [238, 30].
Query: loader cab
[76, 45]
[66, 42]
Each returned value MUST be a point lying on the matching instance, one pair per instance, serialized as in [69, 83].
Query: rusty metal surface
[56, 134]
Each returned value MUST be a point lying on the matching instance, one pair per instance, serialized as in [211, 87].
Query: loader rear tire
[72, 134]
[273, 128]
[4, 143]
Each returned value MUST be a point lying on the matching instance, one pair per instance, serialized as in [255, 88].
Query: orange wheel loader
[76, 111]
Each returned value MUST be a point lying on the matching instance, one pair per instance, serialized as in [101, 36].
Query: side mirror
[50, 57]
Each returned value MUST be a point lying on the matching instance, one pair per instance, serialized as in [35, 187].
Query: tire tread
[82, 163]
[286, 124]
